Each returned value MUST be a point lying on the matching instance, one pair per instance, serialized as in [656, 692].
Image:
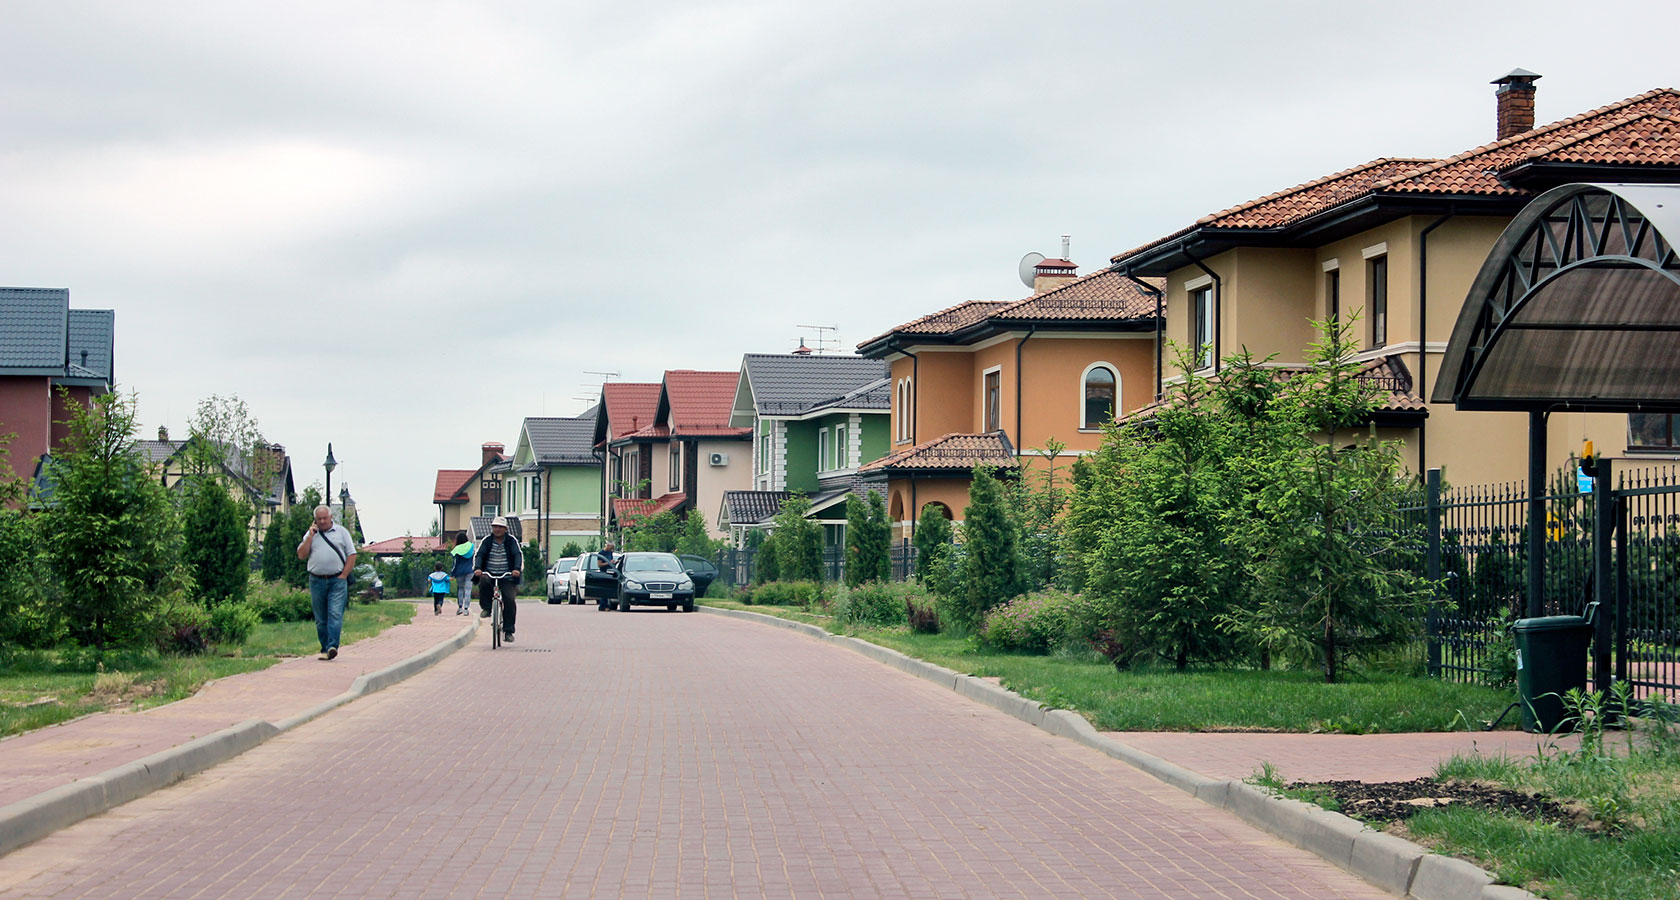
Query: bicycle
[495, 613]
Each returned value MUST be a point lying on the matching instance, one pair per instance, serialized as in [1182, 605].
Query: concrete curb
[1394, 864]
[33, 818]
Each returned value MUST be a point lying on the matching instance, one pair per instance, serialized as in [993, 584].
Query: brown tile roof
[636, 507]
[1103, 294]
[701, 402]
[1629, 132]
[945, 321]
[1388, 374]
[631, 406]
[451, 482]
[952, 451]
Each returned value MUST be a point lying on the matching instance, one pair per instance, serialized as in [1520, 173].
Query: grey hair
[325, 507]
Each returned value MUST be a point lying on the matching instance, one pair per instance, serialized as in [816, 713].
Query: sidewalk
[1330, 757]
[40, 760]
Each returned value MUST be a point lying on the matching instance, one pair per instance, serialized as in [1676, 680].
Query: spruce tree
[274, 549]
[216, 547]
[799, 549]
[991, 566]
[933, 532]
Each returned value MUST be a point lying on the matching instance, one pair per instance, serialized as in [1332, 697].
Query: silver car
[559, 579]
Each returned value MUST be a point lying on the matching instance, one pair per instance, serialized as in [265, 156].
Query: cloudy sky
[403, 227]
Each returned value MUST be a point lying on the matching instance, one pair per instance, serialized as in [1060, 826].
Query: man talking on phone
[329, 553]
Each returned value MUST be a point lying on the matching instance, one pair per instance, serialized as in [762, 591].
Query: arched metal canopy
[1576, 307]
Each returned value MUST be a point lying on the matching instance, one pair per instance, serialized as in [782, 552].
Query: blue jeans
[328, 597]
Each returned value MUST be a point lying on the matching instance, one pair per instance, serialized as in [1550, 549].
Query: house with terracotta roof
[815, 419]
[555, 481]
[683, 457]
[48, 352]
[986, 382]
[1398, 242]
[462, 494]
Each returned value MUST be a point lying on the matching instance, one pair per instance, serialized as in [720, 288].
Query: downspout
[1160, 323]
[1218, 309]
[1031, 330]
[1423, 333]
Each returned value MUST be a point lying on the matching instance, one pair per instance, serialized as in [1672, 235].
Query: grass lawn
[1200, 699]
[44, 687]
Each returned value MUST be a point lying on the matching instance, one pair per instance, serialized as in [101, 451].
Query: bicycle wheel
[496, 618]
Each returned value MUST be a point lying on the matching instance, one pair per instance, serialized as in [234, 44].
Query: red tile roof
[394, 546]
[631, 406]
[1629, 132]
[635, 507]
[701, 402]
[951, 451]
[450, 483]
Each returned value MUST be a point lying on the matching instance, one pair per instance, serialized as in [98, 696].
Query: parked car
[702, 570]
[574, 578]
[559, 579]
[654, 579]
[596, 582]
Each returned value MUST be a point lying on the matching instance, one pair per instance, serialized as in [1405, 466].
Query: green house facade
[553, 482]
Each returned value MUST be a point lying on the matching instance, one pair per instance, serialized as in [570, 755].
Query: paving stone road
[667, 755]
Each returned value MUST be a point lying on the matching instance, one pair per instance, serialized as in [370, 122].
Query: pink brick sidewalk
[41, 760]
[1325, 757]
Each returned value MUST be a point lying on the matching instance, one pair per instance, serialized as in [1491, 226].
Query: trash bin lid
[1550, 623]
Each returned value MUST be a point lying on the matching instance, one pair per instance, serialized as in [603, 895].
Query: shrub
[799, 541]
[181, 627]
[788, 593]
[28, 615]
[1038, 623]
[278, 602]
[923, 616]
[877, 603]
[767, 562]
[231, 623]
[217, 547]
[933, 531]
[991, 570]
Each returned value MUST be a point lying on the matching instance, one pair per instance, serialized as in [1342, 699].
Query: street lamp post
[330, 465]
[344, 504]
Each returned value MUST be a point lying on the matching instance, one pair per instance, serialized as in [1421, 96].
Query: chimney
[163, 432]
[802, 349]
[1053, 273]
[1514, 96]
[492, 453]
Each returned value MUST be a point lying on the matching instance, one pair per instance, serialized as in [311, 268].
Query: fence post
[1432, 507]
[1604, 584]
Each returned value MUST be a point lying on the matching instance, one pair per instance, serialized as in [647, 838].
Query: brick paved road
[666, 755]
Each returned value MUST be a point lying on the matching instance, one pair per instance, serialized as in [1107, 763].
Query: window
[1654, 431]
[842, 454]
[488, 509]
[993, 393]
[1376, 272]
[676, 466]
[1102, 395]
[617, 472]
[906, 411]
[764, 448]
[536, 491]
[1201, 334]
[823, 457]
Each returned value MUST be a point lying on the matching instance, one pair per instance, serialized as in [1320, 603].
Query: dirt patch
[1387, 802]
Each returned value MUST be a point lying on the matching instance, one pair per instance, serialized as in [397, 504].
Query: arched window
[944, 511]
[896, 512]
[1100, 396]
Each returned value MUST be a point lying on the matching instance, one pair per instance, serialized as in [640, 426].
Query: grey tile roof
[481, 528]
[753, 507]
[158, 451]
[876, 395]
[33, 327]
[556, 441]
[786, 384]
[92, 331]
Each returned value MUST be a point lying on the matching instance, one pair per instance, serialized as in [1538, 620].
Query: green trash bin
[1551, 659]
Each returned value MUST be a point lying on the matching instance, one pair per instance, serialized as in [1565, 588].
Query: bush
[217, 547]
[1038, 623]
[923, 616]
[991, 570]
[28, 616]
[878, 603]
[181, 627]
[278, 602]
[231, 623]
[786, 593]
[767, 561]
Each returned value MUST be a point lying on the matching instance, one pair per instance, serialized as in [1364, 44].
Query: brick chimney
[492, 453]
[1053, 273]
[1514, 96]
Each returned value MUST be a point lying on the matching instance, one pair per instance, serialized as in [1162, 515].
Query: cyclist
[498, 562]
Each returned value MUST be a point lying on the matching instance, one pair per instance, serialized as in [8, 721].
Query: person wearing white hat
[499, 560]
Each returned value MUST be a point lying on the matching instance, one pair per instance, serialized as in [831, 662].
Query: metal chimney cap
[1523, 76]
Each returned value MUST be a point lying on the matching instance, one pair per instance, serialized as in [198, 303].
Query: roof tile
[951, 451]
[631, 406]
[451, 482]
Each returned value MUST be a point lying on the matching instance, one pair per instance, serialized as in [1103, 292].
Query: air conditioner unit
[719, 459]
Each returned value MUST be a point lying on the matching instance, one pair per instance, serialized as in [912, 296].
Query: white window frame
[985, 406]
[824, 463]
[842, 458]
[1113, 413]
[674, 477]
[1202, 313]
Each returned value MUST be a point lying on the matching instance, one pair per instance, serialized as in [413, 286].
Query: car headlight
[632, 584]
[685, 582]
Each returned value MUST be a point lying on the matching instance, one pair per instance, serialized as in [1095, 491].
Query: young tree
[766, 562]
[215, 547]
[799, 551]
[693, 540]
[297, 522]
[572, 549]
[868, 540]
[1039, 500]
[991, 565]
[933, 534]
[274, 549]
[109, 529]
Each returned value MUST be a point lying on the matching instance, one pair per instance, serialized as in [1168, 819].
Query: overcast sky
[403, 227]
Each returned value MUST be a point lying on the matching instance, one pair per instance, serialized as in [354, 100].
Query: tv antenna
[826, 340]
[605, 376]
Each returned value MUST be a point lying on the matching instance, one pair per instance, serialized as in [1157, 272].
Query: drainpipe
[915, 382]
[1031, 330]
[1218, 309]
[1423, 332]
[1160, 323]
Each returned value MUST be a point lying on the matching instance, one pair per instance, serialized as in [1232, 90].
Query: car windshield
[652, 562]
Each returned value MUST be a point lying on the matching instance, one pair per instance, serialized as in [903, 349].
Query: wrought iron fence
[738, 566]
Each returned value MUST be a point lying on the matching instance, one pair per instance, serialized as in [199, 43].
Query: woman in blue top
[462, 571]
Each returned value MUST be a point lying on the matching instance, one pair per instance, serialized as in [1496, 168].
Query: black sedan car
[654, 579]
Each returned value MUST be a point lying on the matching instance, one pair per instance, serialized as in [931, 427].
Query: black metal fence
[738, 566]
[1621, 544]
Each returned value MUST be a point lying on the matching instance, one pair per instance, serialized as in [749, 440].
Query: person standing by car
[462, 570]
[329, 553]
[603, 561]
[498, 562]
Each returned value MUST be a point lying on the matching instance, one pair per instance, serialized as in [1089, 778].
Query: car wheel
[624, 604]
[670, 607]
[688, 607]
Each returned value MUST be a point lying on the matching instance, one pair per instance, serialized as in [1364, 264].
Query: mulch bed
[1397, 801]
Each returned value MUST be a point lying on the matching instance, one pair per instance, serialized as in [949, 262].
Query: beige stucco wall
[953, 492]
[707, 496]
[1053, 369]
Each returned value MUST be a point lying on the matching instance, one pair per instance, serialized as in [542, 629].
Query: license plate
[662, 596]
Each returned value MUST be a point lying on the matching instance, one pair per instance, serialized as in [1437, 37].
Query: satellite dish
[1029, 263]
